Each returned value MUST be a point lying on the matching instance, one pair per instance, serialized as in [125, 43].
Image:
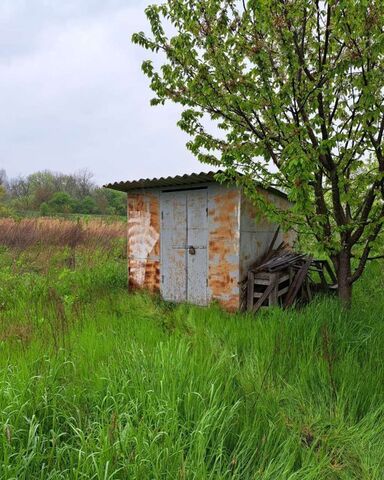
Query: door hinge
[206, 282]
[162, 215]
[206, 211]
[162, 278]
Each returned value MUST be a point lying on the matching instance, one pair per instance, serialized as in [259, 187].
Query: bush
[87, 205]
[44, 209]
[61, 202]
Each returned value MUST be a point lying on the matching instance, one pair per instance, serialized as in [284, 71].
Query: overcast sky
[72, 94]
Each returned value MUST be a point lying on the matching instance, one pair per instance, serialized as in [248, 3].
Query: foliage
[295, 91]
[53, 193]
[4, 209]
[102, 384]
[87, 205]
[60, 202]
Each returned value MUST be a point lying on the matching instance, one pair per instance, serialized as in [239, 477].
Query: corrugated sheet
[187, 179]
[178, 180]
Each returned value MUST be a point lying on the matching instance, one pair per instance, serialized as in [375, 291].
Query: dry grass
[30, 232]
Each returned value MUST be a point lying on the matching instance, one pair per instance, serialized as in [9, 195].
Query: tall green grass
[99, 384]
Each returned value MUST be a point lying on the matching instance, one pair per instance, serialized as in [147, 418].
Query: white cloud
[75, 97]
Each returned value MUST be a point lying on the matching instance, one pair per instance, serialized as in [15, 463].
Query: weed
[99, 383]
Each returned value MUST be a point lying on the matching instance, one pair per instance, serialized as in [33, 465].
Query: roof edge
[176, 181]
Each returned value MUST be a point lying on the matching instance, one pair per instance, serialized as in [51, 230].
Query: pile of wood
[283, 277]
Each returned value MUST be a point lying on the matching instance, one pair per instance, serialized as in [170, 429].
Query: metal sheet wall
[144, 240]
[256, 231]
[223, 245]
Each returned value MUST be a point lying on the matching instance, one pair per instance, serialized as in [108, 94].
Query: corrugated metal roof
[178, 180]
[187, 179]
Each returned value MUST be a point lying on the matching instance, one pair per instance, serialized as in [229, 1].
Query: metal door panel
[173, 246]
[184, 224]
[197, 239]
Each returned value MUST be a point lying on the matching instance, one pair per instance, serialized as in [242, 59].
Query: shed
[192, 239]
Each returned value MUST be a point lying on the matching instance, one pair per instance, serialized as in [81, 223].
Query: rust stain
[142, 237]
[144, 241]
[152, 276]
[224, 248]
[140, 208]
[231, 304]
[154, 210]
[136, 269]
[151, 269]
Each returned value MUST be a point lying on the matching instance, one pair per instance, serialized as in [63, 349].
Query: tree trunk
[343, 279]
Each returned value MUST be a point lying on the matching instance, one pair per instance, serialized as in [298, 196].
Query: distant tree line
[51, 193]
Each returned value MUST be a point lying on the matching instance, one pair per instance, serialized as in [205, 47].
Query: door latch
[191, 250]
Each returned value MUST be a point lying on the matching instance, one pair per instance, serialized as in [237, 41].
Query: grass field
[99, 384]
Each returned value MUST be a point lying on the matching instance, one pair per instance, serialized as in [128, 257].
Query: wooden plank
[262, 281]
[243, 294]
[264, 259]
[284, 278]
[273, 297]
[297, 283]
[272, 244]
[262, 275]
[265, 295]
[250, 290]
[282, 291]
[291, 275]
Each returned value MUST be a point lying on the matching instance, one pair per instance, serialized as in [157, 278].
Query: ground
[97, 383]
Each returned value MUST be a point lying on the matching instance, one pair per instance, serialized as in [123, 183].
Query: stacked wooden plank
[282, 277]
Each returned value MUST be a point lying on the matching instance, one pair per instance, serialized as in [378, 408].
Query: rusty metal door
[173, 242]
[197, 239]
[184, 239]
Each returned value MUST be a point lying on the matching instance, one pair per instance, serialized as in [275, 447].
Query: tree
[83, 179]
[111, 202]
[101, 200]
[3, 192]
[117, 202]
[44, 209]
[295, 90]
[60, 202]
[19, 188]
[3, 177]
[3, 209]
[87, 205]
